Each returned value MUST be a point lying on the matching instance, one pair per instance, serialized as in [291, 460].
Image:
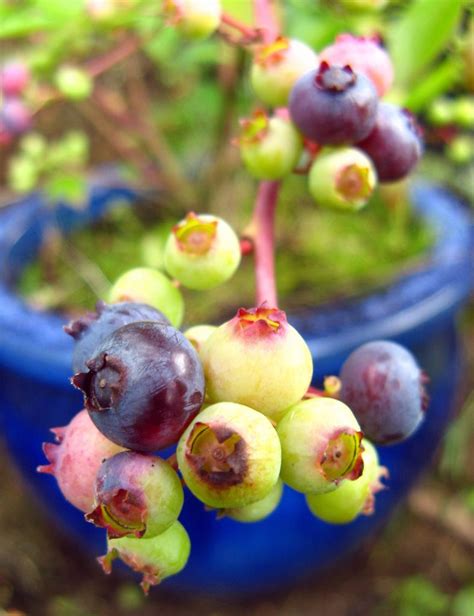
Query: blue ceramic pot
[418, 310]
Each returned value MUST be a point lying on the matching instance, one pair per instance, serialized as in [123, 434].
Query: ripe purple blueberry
[136, 494]
[365, 56]
[333, 105]
[76, 459]
[394, 144]
[144, 385]
[384, 386]
[93, 328]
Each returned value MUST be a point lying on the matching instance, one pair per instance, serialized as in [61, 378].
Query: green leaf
[420, 35]
[70, 187]
[439, 80]
[21, 24]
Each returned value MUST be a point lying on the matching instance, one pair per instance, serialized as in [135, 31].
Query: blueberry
[143, 386]
[384, 387]
[92, 329]
[333, 105]
[394, 145]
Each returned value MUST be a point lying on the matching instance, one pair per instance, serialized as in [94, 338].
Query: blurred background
[114, 95]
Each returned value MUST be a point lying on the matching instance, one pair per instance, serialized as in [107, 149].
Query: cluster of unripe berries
[235, 401]
[15, 117]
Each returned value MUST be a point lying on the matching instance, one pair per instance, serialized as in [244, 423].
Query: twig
[127, 152]
[96, 67]
[172, 176]
[249, 35]
[124, 49]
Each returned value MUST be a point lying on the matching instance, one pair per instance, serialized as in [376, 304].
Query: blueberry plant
[235, 400]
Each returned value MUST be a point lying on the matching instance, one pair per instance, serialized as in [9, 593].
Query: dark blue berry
[394, 145]
[384, 387]
[333, 105]
[93, 328]
[143, 386]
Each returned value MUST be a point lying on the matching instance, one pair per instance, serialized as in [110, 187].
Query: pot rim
[32, 342]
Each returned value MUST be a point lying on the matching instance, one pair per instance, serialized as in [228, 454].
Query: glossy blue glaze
[418, 310]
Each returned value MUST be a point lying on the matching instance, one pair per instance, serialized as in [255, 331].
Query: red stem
[263, 220]
[230, 21]
[266, 20]
[125, 48]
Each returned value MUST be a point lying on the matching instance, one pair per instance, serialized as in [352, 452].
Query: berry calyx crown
[272, 53]
[335, 78]
[254, 129]
[353, 182]
[260, 321]
[195, 235]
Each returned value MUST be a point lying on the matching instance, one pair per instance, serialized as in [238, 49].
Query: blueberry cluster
[329, 121]
[234, 401]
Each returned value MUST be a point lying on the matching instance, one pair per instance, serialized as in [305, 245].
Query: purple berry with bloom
[143, 386]
[332, 105]
[384, 386]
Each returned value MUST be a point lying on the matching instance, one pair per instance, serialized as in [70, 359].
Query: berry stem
[264, 223]
[247, 31]
[265, 19]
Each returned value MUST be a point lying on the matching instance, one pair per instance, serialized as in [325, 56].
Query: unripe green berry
[202, 252]
[259, 510]
[441, 112]
[149, 286]
[229, 456]
[73, 82]
[463, 111]
[321, 445]
[270, 147]
[351, 498]
[342, 178]
[198, 334]
[136, 494]
[461, 150]
[276, 68]
[156, 558]
[194, 19]
[257, 359]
